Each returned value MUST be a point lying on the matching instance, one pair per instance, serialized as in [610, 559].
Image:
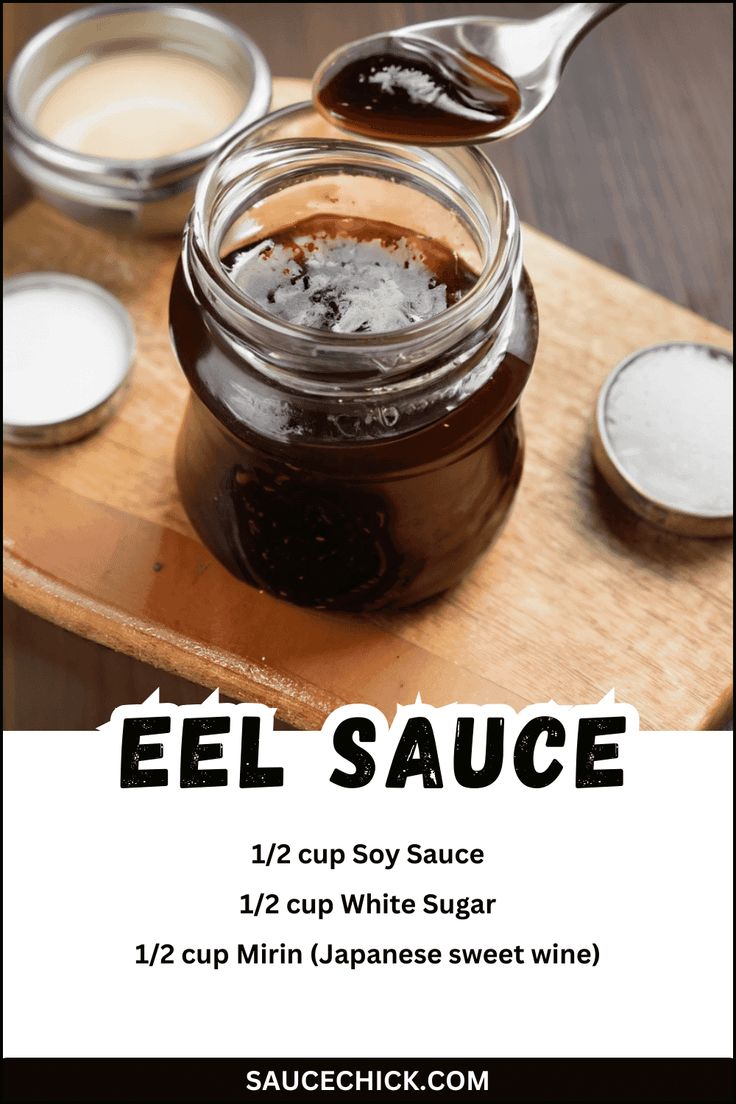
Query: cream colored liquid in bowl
[139, 104]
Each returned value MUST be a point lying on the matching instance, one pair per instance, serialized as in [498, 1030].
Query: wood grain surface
[631, 165]
[577, 597]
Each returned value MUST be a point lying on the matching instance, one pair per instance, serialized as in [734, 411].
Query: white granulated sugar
[65, 350]
[343, 285]
[418, 86]
[669, 420]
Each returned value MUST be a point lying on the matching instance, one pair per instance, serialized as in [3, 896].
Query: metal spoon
[453, 81]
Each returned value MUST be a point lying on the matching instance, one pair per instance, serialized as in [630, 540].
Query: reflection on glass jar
[360, 469]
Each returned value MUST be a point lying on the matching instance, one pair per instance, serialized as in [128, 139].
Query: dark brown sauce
[350, 275]
[347, 524]
[413, 97]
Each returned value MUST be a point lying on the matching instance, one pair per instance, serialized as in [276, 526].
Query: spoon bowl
[452, 81]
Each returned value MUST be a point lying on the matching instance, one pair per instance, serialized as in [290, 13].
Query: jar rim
[202, 252]
[149, 172]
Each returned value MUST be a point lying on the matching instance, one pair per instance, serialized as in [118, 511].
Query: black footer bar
[368, 1080]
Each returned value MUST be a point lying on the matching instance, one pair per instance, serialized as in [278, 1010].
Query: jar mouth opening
[148, 170]
[247, 170]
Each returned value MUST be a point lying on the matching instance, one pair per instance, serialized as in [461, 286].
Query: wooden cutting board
[578, 597]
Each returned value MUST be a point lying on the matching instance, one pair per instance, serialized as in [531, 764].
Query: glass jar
[350, 471]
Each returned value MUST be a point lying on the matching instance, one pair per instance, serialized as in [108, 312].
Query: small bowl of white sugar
[68, 346]
[663, 437]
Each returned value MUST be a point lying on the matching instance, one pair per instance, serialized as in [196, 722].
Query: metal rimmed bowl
[655, 468]
[64, 414]
[145, 197]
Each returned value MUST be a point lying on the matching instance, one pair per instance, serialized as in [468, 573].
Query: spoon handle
[570, 22]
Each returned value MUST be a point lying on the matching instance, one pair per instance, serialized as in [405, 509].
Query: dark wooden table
[630, 165]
